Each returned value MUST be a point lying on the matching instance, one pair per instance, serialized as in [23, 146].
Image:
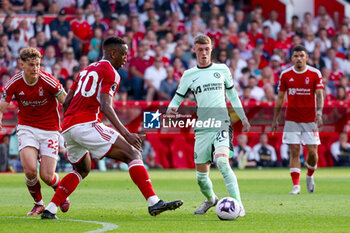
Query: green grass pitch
[111, 197]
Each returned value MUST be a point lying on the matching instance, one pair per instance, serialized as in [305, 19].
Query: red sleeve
[282, 84]
[75, 84]
[8, 93]
[110, 82]
[319, 81]
[54, 86]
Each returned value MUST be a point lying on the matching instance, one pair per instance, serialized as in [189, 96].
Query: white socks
[52, 208]
[153, 200]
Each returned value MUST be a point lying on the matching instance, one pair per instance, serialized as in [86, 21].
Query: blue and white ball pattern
[228, 208]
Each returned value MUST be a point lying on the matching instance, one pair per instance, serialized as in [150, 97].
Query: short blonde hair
[202, 39]
[29, 53]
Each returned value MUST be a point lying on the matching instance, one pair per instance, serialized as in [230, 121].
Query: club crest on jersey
[217, 75]
[41, 91]
[307, 80]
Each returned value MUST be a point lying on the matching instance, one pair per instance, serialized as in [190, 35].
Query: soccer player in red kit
[90, 96]
[37, 94]
[303, 116]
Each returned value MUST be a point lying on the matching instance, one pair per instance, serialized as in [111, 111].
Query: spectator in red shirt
[5, 77]
[336, 73]
[82, 30]
[179, 69]
[267, 77]
[137, 28]
[269, 42]
[137, 68]
[282, 42]
[254, 33]
[259, 59]
[160, 53]
[214, 32]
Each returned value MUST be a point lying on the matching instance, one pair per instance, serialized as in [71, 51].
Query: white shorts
[95, 138]
[46, 142]
[297, 133]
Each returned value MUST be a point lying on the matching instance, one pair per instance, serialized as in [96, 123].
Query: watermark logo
[151, 120]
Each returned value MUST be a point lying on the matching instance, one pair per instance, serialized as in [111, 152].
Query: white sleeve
[273, 153]
[256, 156]
[148, 74]
[251, 153]
[284, 151]
[335, 150]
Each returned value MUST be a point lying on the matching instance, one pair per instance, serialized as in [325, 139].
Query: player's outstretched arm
[174, 104]
[237, 106]
[319, 105]
[3, 107]
[278, 107]
[68, 98]
[107, 109]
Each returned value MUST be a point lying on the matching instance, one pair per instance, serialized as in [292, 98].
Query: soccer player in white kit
[210, 83]
[304, 88]
[37, 94]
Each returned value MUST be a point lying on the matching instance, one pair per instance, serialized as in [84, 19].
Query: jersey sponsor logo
[299, 91]
[213, 87]
[34, 103]
[41, 91]
[307, 80]
[217, 75]
[21, 93]
[151, 120]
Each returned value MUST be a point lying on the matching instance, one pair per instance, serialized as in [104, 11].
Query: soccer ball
[228, 208]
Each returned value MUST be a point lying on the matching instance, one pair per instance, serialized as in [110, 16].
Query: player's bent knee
[47, 178]
[31, 173]
[84, 172]
[134, 155]
[222, 162]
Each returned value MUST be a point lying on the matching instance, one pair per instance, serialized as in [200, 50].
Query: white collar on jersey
[30, 84]
[300, 72]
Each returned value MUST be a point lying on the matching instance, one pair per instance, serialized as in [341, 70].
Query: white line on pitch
[105, 225]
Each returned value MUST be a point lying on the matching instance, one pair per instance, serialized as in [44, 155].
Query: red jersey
[253, 38]
[336, 76]
[284, 45]
[81, 29]
[215, 35]
[85, 106]
[300, 88]
[37, 102]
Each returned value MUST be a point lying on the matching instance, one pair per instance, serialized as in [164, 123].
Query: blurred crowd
[160, 39]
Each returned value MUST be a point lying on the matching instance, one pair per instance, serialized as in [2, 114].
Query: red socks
[139, 175]
[295, 174]
[310, 169]
[34, 188]
[67, 185]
